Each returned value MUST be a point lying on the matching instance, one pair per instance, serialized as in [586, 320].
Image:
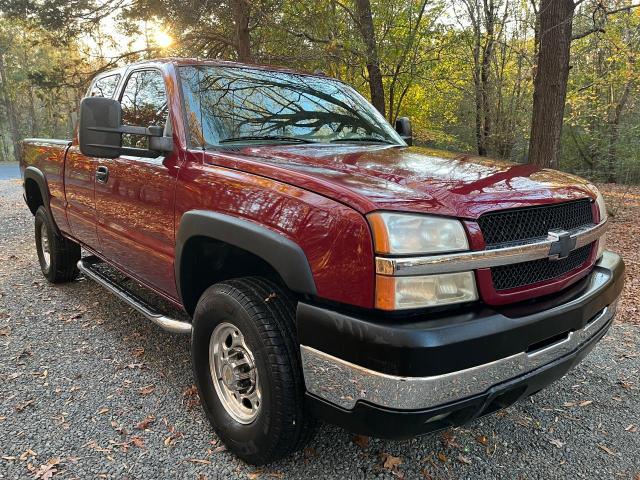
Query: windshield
[226, 105]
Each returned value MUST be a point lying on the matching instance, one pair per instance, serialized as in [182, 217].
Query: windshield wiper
[280, 138]
[362, 139]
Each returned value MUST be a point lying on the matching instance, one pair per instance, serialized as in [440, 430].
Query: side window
[105, 86]
[144, 103]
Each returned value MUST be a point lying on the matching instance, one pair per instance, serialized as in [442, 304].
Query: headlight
[406, 234]
[401, 293]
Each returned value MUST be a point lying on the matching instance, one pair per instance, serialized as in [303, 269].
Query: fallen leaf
[463, 459]
[137, 441]
[361, 440]
[146, 390]
[482, 439]
[557, 443]
[585, 403]
[631, 428]
[606, 449]
[47, 470]
[144, 424]
[197, 460]
[569, 404]
[448, 439]
[137, 352]
[27, 454]
[118, 428]
[442, 457]
[5, 331]
[390, 462]
[219, 449]
[191, 394]
[102, 411]
[171, 438]
[21, 406]
[254, 475]
[426, 474]
[310, 452]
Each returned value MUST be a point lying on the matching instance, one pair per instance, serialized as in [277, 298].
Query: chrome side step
[88, 265]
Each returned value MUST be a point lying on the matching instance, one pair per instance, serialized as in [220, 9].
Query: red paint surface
[315, 195]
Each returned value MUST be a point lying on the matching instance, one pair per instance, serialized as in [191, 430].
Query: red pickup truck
[328, 269]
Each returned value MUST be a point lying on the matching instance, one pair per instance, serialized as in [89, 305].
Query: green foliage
[426, 56]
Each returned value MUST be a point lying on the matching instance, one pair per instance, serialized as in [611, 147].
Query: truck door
[80, 178]
[135, 195]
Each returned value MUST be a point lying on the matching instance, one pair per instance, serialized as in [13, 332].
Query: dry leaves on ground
[360, 440]
[147, 389]
[391, 463]
[47, 470]
[623, 237]
[557, 443]
[144, 424]
[606, 449]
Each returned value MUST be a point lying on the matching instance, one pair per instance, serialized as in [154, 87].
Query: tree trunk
[550, 84]
[487, 54]
[241, 15]
[10, 112]
[614, 132]
[376, 87]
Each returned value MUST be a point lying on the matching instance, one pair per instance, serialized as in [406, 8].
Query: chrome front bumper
[343, 383]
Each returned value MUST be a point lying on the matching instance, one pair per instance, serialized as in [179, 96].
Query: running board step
[89, 266]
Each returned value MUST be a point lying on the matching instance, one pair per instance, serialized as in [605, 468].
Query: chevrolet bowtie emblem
[562, 244]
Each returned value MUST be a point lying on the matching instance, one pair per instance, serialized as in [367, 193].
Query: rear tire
[253, 397]
[58, 256]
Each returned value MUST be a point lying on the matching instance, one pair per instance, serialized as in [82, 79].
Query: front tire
[247, 366]
[58, 256]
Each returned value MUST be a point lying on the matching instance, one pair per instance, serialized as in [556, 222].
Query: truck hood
[412, 179]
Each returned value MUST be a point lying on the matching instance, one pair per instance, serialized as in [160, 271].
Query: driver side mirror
[100, 131]
[403, 127]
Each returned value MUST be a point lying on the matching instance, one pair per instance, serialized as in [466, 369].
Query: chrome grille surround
[473, 260]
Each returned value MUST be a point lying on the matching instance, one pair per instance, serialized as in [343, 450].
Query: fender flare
[35, 174]
[284, 255]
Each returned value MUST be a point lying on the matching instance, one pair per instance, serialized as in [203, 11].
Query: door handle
[102, 174]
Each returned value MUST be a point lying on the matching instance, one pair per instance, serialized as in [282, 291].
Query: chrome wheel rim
[234, 373]
[44, 245]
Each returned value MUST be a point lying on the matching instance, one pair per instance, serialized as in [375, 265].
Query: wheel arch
[36, 189]
[260, 248]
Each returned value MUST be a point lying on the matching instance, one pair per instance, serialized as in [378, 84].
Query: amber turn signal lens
[380, 236]
[385, 292]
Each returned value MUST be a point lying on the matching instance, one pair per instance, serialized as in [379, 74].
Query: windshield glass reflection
[225, 105]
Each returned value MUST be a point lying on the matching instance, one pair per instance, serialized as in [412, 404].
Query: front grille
[528, 273]
[527, 224]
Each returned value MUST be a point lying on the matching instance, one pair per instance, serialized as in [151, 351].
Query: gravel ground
[82, 375]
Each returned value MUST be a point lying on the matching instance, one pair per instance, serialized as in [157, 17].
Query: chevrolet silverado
[325, 267]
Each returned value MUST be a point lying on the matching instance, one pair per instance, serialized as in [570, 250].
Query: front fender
[284, 255]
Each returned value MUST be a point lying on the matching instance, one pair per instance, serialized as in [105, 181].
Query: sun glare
[162, 39]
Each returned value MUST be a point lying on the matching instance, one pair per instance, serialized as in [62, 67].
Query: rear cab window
[104, 86]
